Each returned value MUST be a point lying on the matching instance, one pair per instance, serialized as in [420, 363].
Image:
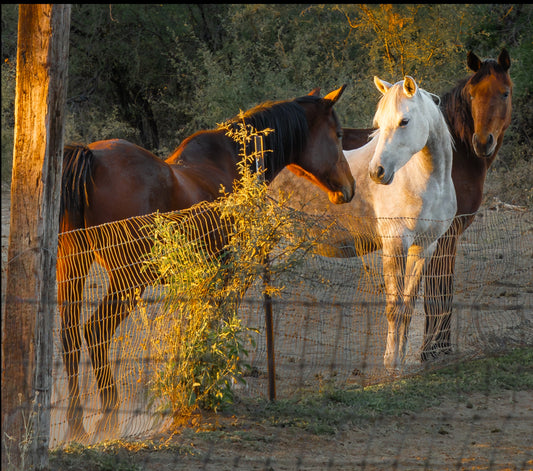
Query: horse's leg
[413, 277]
[99, 331]
[394, 264]
[73, 263]
[438, 298]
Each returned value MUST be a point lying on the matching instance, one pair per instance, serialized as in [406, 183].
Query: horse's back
[353, 138]
[128, 181]
[119, 180]
[203, 164]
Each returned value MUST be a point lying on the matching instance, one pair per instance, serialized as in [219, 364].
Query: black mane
[291, 130]
[456, 109]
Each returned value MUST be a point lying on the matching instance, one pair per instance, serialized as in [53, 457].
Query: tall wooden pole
[267, 299]
[269, 329]
[30, 299]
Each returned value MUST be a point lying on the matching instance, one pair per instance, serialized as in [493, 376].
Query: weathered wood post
[30, 300]
[267, 299]
[269, 327]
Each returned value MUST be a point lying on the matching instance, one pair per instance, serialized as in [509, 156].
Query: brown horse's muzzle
[484, 147]
[343, 196]
[340, 196]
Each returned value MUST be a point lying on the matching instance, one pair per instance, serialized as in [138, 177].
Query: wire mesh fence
[329, 325]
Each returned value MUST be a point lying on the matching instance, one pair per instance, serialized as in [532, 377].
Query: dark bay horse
[113, 180]
[477, 111]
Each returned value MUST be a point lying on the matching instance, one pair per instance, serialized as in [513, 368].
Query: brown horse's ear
[335, 95]
[473, 61]
[315, 92]
[504, 60]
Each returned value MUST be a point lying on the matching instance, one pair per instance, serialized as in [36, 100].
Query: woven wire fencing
[329, 322]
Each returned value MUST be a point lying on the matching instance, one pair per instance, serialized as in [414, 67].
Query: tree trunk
[30, 300]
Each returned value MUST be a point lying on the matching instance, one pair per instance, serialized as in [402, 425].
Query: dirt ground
[480, 433]
[475, 432]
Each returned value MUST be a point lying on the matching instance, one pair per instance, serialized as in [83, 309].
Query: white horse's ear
[381, 85]
[409, 86]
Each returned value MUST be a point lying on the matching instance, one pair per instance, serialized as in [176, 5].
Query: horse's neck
[270, 165]
[439, 149]
[266, 169]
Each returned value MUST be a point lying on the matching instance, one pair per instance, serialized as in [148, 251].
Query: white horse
[404, 200]
[404, 172]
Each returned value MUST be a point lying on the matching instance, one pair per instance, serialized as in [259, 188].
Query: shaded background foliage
[154, 74]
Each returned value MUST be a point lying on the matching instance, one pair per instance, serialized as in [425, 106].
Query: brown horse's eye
[505, 95]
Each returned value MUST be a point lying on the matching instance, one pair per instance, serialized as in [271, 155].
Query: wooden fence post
[30, 299]
[269, 327]
[267, 299]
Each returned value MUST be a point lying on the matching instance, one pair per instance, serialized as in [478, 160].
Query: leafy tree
[154, 74]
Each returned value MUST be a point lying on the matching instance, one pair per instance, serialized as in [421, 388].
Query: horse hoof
[76, 434]
[107, 427]
[435, 352]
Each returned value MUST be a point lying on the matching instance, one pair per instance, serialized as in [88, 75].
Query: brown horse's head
[323, 161]
[489, 91]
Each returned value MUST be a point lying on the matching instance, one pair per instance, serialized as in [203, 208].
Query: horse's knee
[394, 309]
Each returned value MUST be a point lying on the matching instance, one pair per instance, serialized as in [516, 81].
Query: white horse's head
[403, 120]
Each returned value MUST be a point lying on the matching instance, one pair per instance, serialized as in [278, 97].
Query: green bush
[198, 341]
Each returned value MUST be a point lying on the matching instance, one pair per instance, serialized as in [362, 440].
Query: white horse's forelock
[383, 103]
[390, 101]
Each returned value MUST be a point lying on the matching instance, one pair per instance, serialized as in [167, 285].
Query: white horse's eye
[404, 122]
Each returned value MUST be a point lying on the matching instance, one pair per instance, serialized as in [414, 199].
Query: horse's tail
[77, 174]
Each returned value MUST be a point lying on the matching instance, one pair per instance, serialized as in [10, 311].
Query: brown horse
[113, 180]
[478, 111]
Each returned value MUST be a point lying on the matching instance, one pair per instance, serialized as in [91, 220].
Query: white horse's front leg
[394, 264]
[402, 269]
[413, 276]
